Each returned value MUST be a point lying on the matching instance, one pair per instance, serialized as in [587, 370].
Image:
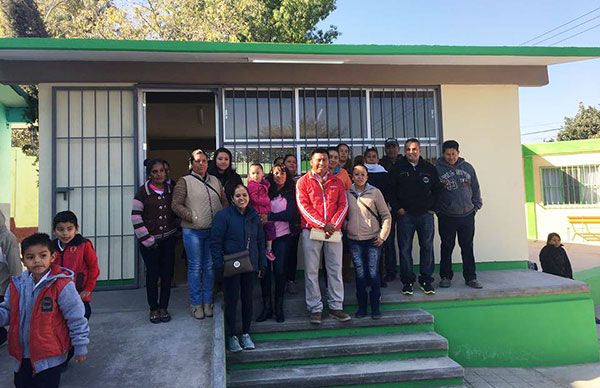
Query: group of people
[234, 233]
[341, 210]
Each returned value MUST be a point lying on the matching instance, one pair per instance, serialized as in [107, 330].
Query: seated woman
[368, 226]
[235, 229]
[554, 259]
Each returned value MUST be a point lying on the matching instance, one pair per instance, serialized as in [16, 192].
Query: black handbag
[237, 263]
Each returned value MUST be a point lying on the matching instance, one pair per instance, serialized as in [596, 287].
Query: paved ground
[127, 350]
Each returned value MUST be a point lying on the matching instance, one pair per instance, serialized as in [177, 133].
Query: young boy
[76, 253]
[45, 314]
[10, 263]
[258, 188]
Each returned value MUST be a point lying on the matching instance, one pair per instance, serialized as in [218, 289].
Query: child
[10, 263]
[45, 314]
[258, 187]
[554, 259]
[76, 253]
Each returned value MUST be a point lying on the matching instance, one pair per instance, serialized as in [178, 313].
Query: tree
[585, 124]
[21, 18]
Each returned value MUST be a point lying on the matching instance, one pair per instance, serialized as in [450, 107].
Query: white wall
[485, 122]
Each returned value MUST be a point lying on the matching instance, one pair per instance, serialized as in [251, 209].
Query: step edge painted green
[349, 359]
[355, 331]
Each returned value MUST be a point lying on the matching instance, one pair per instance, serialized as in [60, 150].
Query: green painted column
[530, 198]
[5, 139]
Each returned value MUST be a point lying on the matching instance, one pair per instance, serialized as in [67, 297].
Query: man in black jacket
[415, 184]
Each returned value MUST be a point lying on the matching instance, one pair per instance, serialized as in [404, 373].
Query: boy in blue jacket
[46, 316]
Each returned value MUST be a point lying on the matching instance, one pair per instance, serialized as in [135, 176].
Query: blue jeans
[365, 256]
[408, 224]
[200, 265]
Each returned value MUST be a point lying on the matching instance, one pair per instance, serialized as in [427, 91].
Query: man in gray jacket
[456, 207]
[10, 263]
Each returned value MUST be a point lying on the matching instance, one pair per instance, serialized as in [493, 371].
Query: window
[572, 185]
[263, 123]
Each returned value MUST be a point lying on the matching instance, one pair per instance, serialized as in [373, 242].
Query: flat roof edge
[287, 48]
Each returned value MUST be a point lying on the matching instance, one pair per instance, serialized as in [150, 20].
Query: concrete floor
[126, 350]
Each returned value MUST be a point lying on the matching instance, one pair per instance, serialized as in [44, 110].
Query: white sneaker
[197, 311]
[233, 345]
[246, 342]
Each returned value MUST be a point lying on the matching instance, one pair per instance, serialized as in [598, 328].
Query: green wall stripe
[530, 197]
[287, 48]
[562, 147]
[116, 282]
[338, 360]
[354, 331]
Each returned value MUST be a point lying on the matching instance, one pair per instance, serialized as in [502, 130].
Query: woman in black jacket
[221, 167]
[554, 259]
[235, 229]
[283, 212]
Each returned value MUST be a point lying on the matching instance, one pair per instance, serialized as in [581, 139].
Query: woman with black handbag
[237, 245]
[367, 227]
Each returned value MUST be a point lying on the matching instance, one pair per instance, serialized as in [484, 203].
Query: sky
[490, 23]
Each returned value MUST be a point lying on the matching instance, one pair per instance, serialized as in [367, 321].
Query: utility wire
[574, 35]
[567, 30]
[562, 25]
[544, 131]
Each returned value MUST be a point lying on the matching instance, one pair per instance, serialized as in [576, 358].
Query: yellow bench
[588, 227]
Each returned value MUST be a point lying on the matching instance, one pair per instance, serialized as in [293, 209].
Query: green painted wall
[592, 278]
[530, 198]
[5, 138]
[516, 332]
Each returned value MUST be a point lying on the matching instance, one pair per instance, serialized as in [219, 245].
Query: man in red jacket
[321, 199]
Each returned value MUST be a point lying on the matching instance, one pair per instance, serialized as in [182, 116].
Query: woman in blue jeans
[197, 198]
[367, 226]
[283, 211]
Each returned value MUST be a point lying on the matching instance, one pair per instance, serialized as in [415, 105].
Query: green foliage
[21, 18]
[585, 124]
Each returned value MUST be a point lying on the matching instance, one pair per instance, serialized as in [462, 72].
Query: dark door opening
[176, 124]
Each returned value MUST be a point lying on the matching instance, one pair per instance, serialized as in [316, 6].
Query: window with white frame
[571, 185]
[261, 124]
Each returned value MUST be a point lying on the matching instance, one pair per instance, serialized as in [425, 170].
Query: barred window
[571, 185]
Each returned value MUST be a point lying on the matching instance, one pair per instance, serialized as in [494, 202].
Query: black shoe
[383, 284]
[389, 278]
[407, 289]
[267, 311]
[427, 288]
[474, 283]
[279, 317]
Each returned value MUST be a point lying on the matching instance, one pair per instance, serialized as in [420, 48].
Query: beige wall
[555, 218]
[485, 121]
[24, 197]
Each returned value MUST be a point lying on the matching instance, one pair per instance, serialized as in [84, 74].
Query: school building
[105, 106]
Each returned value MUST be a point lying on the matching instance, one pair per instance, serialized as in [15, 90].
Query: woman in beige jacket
[368, 226]
[197, 197]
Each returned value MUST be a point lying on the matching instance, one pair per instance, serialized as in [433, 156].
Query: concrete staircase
[399, 350]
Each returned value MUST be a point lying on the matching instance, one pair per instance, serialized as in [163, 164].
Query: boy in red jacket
[76, 253]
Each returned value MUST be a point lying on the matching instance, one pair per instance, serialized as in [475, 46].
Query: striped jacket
[151, 215]
[321, 201]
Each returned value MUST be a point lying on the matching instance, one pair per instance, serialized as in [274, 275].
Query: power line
[567, 30]
[562, 25]
[544, 131]
[574, 35]
[540, 125]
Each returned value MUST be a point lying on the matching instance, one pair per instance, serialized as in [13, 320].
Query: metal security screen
[261, 124]
[572, 185]
[95, 169]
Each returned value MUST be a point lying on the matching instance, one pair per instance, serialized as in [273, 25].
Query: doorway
[178, 122]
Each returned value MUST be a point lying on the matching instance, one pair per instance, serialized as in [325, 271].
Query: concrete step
[343, 349]
[390, 318]
[436, 371]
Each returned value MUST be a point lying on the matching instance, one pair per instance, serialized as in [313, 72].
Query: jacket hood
[2, 222]
[441, 161]
[56, 272]
[367, 188]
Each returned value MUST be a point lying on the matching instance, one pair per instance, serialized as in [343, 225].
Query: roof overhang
[41, 49]
[12, 96]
